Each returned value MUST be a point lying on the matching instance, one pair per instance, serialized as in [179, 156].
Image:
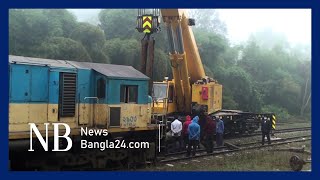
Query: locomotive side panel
[131, 96]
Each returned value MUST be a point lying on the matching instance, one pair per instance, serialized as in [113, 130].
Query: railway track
[230, 148]
[274, 132]
[275, 140]
[292, 129]
[247, 135]
[229, 145]
[296, 122]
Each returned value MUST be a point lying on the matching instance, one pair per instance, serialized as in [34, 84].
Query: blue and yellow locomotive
[81, 94]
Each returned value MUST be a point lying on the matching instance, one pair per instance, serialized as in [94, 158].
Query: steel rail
[223, 147]
[236, 150]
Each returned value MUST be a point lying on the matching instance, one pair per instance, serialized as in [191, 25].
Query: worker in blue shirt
[194, 136]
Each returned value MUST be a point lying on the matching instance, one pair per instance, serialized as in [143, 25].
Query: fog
[295, 24]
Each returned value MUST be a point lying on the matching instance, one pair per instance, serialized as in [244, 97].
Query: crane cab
[206, 96]
[163, 97]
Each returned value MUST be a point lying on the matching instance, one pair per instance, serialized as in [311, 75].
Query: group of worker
[189, 134]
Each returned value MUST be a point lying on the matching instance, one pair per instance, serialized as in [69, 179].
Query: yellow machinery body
[189, 81]
[213, 102]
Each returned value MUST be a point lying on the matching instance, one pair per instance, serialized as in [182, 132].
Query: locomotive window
[129, 94]
[101, 88]
[133, 94]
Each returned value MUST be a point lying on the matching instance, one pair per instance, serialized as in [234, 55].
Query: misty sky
[294, 23]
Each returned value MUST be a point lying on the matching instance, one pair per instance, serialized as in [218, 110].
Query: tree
[93, 39]
[61, 22]
[306, 89]
[281, 113]
[123, 52]
[228, 101]
[277, 73]
[162, 67]
[269, 39]
[208, 20]
[118, 23]
[211, 47]
[28, 28]
[240, 84]
[63, 48]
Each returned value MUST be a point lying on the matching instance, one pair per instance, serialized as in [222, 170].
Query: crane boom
[178, 59]
[194, 64]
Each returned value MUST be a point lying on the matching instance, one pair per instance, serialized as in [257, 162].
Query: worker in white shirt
[176, 128]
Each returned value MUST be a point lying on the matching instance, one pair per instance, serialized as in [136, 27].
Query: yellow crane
[190, 89]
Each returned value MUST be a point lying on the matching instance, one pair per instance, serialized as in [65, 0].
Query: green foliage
[228, 101]
[63, 48]
[60, 22]
[89, 35]
[162, 67]
[118, 23]
[281, 113]
[212, 48]
[243, 91]
[93, 39]
[32, 31]
[264, 74]
[27, 28]
[208, 20]
[279, 75]
[123, 52]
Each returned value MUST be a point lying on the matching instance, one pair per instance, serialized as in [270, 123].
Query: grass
[253, 160]
[297, 124]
